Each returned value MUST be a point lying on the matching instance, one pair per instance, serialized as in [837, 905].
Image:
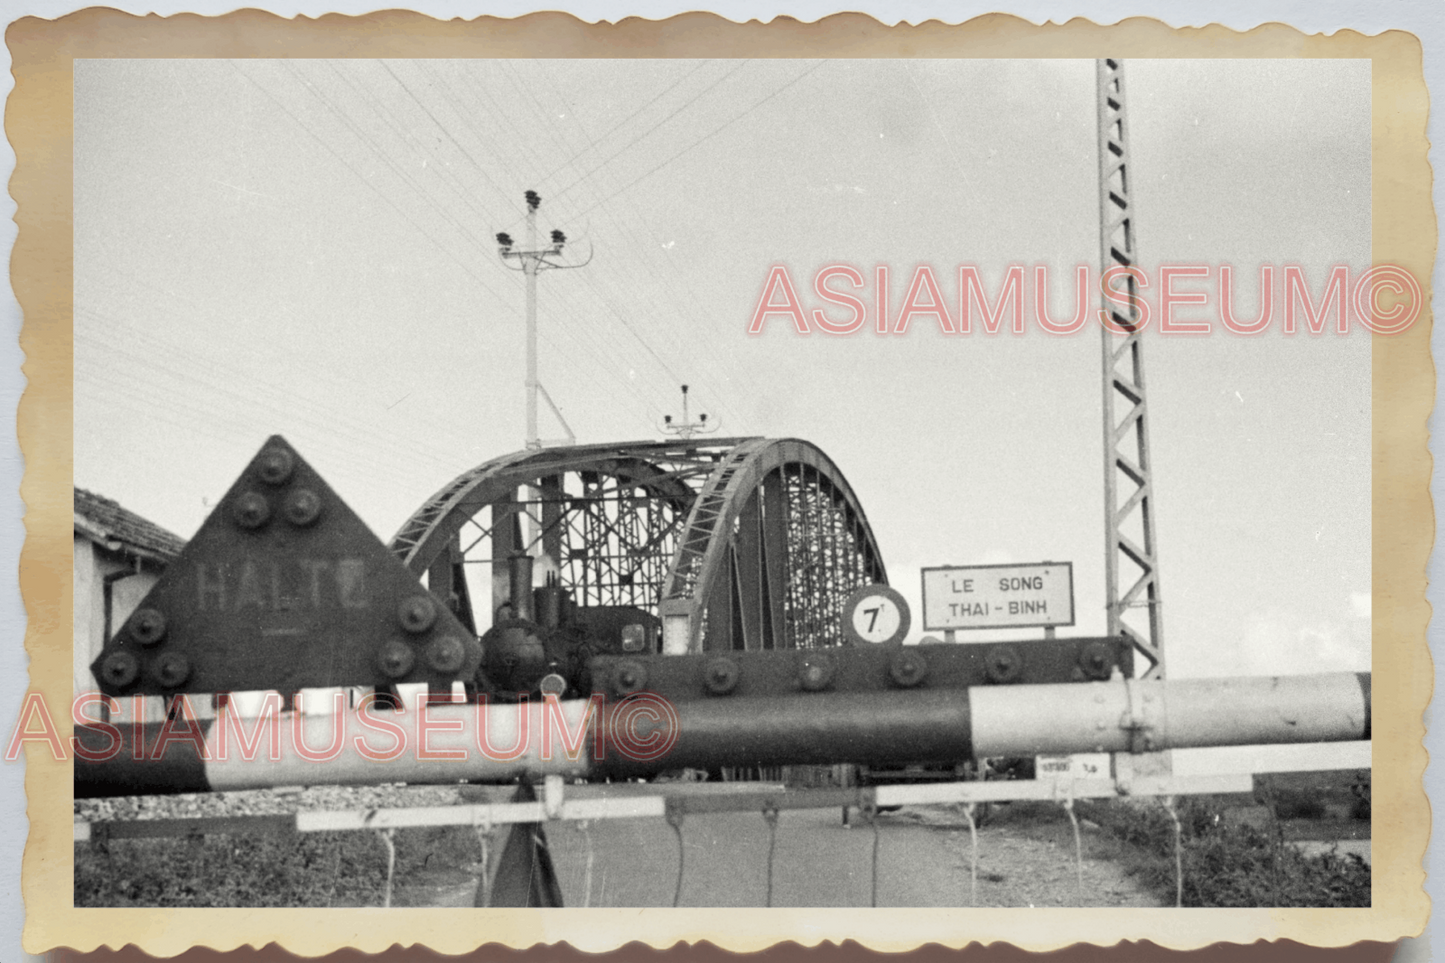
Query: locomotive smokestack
[521, 573]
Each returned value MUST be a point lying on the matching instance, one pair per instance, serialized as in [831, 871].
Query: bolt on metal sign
[284, 588]
[998, 596]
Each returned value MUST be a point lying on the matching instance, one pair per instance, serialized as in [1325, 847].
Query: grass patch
[1223, 864]
[304, 869]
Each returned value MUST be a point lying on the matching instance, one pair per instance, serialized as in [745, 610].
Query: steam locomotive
[541, 641]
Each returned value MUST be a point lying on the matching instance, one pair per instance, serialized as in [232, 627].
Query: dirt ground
[1028, 862]
[1033, 862]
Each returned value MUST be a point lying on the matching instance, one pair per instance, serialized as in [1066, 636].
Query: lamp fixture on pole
[688, 428]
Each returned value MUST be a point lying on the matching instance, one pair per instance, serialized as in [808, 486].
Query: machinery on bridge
[733, 543]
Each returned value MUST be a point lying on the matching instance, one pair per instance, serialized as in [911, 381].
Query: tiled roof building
[118, 557]
[110, 526]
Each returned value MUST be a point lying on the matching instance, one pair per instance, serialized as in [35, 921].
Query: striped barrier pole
[645, 734]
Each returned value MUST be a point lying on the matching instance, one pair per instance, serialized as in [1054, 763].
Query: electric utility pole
[533, 260]
[542, 498]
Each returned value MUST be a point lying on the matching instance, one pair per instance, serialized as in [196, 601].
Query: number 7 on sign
[875, 614]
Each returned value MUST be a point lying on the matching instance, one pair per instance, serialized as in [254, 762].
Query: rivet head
[171, 670]
[275, 466]
[815, 674]
[446, 654]
[417, 613]
[720, 676]
[907, 668]
[120, 669]
[303, 506]
[1097, 659]
[1003, 663]
[251, 510]
[395, 660]
[148, 626]
[631, 676]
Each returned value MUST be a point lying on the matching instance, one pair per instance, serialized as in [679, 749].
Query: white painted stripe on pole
[1278, 709]
[1035, 720]
[82, 832]
[1048, 720]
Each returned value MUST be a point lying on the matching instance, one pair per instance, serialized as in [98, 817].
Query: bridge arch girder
[593, 508]
[751, 542]
[774, 544]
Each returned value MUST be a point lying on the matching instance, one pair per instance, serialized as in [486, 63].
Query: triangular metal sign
[284, 588]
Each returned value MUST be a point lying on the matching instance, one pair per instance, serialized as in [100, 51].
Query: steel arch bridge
[734, 543]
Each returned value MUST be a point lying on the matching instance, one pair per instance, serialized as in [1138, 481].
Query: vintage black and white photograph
[724, 483]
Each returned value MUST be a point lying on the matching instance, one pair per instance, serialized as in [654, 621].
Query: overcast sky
[305, 247]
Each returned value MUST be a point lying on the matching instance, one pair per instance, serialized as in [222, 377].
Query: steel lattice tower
[1128, 477]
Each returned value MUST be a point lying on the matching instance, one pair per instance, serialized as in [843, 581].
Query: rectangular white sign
[1084, 765]
[998, 596]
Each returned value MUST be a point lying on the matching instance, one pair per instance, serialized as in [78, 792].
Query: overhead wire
[384, 157]
[928, 106]
[639, 247]
[335, 108]
[177, 360]
[647, 133]
[219, 402]
[376, 148]
[347, 473]
[98, 376]
[675, 281]
[442, 127]
[442, 169]
[589, 350]
[572, 161]
[389, 202]
[607, 300]
[628, 264]
[238, 353]
[576, 334]
[702, 140]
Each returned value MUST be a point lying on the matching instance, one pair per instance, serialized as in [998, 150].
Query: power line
[435, 120]
[441, 127]
[606, 300]
[623, 123]
[701, 140]
[371, 185]
[640, 246]
[376, 190]
[385, 158]
[628, 146]
[375, 148]
[443, 169]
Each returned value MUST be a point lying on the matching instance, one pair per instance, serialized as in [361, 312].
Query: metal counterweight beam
[500, 743]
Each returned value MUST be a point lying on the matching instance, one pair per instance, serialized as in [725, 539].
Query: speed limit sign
[876, 614]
